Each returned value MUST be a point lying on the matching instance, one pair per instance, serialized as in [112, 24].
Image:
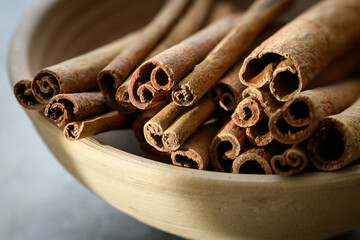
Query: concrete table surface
[39, 199]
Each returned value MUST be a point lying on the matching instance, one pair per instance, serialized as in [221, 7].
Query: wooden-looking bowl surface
[189, 203]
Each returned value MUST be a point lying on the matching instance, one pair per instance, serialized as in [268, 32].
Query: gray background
[38, 198]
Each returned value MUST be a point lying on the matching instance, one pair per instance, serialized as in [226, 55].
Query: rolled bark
[340, 68]
[292, 161]
[114, 74]
[226, 146]
[259, 134]
[138, 126]
[156, 126]
[167, 68]
[225, 54]
[194, 153]
[336, 143]
[248, 112]
[25, 96]
[228, 89]
[192, 20]
[185, 125]
[102, 123]
[300, 55]
[256, 160]
[253, 112]
[256, 100]
[300, 116]
[255, 104]
[70, 107]
[77, 74]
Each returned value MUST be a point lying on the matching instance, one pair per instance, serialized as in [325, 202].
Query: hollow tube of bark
[292, 161]
[187, 123]
[226, 146]
[25, 96]
[300, 55]
[194, 153]
[138, 126]
[262, 99]
[259, 134]
[167, 68]
[248, 112]
[224, 55]
[77, 74]
[300, 116]
[336, 143]
[102, 123]
[192, 20]
[154, 128]
[114, 74]
[256, 160]
[256, 103]
[70, 107]
[228, 89]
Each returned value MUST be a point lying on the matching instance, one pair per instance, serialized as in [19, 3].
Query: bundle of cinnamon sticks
[207, 85]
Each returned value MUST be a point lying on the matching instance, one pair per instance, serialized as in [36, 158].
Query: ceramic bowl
[189, 203]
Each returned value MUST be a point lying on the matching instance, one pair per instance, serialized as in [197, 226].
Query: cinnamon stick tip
[285, 85]
[72, 130]
[187, 158]
[24, 96]
[327, 148]
[45, 85]
[182, 95]
[162, 77]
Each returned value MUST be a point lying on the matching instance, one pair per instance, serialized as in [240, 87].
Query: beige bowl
[189, 203]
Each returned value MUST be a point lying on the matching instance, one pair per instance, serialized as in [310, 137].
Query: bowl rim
[18, 58]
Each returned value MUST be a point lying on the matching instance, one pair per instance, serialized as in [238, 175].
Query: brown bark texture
[303, 48]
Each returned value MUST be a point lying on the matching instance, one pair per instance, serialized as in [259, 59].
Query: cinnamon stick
[185, 125]
[77, 74]
[248, 112]
[255, 105]
[258, 100]
[154, 128]
[300, 116]
[167, 68]
[259, 134]
[226, 146]
[228, 89]
[300, 55]
[194, 153]
[114, 74]
[292, 161]
[253, 112]
[25, 96]
[336, 143]
[192, 20]
[102, 123]
[138, 126]
[340, 68]
[223, 56]
[256, 160]
[70, 107]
